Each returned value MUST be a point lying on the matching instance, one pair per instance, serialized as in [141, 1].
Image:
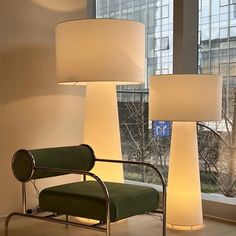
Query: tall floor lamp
[184, 99]
[101, 53]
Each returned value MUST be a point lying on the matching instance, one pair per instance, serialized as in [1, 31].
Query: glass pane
[217, 54]
[157, 13]
[205, 32]
[158, 20]
[151, 17]
[224, 2]
[232, 69]
[165, 11]
[232, 31]
[215, 9]
[165, 43]
[215, 30]
[224, 33]
[157, 44]
[217, 44]
[205, 8]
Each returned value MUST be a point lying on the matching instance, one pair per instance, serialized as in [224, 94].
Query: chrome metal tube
[105, 191]
[67, 219]
[23, 198]
[68, 171]
[108, 219]
[50, 220]
[159, 174]
[101, 183]
[136, 163]
[84, 177]
[164, 212]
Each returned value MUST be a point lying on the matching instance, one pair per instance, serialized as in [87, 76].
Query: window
[215, 30]
[162, 43]
[165, 11]
[224, 2]
[162, 12]
[233, 32]
[224, 33]
[158, 13]
[151, 18]
[165, 43]
[150, 45]
[217, 54]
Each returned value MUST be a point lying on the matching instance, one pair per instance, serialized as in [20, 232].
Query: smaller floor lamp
[101, 53]
[184, 99]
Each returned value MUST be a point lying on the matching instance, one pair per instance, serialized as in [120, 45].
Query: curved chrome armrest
[137, 163]
[80, 172]
[101, 183]
[159, 174]
[67, 171]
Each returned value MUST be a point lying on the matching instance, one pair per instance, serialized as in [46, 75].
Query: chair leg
[108, 231]
[108, 220]
[7, 222]
[164, 225]
[67, 219]
[164, 213]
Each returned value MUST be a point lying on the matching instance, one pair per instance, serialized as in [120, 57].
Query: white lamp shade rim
[82, 83]
[99, 19]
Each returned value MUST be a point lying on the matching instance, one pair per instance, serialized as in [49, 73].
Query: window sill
[215, 206]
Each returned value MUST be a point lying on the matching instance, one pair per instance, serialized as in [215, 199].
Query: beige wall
[34, 111]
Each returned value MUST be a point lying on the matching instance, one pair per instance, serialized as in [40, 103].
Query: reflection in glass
[216, 54]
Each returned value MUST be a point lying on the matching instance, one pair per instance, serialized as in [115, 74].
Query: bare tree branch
[216, 133]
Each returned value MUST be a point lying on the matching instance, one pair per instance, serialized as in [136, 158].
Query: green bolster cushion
[73, 157]
[86, 199]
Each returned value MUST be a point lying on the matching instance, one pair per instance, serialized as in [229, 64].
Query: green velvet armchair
[103, 201]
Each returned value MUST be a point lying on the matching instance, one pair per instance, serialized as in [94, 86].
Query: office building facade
[216, 55]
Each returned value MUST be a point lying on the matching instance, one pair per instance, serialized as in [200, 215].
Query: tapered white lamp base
[101, 129]
[184, 206]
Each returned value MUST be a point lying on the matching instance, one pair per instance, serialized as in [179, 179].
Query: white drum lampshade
[101, 53]
[96, 50]
[184, 99]
[187, 97]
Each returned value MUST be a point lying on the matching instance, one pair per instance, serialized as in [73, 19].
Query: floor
[143, 225]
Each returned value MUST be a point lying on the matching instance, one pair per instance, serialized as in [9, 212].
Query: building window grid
[224, 17]
[225, 63]
[217, 37]
[221, 37]
[141, 11]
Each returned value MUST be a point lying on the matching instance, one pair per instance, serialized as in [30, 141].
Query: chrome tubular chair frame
[163, 211]
[66, 222]
[96, 227]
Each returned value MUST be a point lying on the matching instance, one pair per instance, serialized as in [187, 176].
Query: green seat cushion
[86, 199]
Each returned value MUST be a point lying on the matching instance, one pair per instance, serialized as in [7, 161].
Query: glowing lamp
[184, 99]
[101, 53]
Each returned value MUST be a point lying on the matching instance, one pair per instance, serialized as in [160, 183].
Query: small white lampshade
[95, 50]
[185, 97]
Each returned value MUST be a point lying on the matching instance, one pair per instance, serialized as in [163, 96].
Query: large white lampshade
[96, 50]
[184, 99]
[101, 53]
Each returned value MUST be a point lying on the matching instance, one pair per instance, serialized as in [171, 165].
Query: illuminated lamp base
[85, 220]
[101, 129]
[184, 206]
[184, 228]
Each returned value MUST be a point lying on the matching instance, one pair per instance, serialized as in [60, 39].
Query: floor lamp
[101, 53]
[184, 99]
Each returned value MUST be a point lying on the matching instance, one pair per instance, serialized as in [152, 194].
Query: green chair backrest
[25, 162]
